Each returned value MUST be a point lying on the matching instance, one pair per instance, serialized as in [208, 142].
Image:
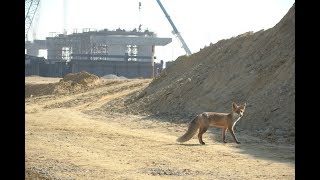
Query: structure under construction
[119, 52]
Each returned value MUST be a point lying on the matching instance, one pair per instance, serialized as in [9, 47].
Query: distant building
[126, 53]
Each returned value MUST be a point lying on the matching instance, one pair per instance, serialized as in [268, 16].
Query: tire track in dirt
[122, 91]
[86, 99]
[61, 97]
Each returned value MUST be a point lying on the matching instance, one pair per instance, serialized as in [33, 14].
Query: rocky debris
[162, 170]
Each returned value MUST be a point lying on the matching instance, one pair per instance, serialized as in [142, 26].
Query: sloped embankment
[257, 68]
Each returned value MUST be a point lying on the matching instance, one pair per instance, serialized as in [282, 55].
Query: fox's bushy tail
[192, 129]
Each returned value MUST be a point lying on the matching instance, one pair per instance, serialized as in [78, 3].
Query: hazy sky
[200, 22]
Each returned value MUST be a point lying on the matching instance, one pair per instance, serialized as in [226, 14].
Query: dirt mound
[84, 78]
[257, 68]
[32, 90]
[71, 83]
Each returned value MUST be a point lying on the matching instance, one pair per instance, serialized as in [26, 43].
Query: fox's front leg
[233, 135]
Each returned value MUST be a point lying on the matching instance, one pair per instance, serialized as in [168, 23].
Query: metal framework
[31, 7]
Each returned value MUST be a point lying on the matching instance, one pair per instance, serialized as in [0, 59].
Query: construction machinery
[31, 7]
[175, 30]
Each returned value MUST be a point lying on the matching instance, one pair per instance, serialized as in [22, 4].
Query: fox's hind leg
[202, 130]
[224, 130]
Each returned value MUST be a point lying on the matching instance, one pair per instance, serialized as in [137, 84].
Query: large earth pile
[71, 83]
[257, 68]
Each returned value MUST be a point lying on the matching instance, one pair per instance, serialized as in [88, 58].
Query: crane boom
[175, 30]
[30, 10]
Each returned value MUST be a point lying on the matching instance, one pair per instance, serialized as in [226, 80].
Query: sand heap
[257, 68]
[83, 78]
[71, 83]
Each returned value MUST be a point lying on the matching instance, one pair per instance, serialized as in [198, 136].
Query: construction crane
[31, 7]
[175, 30]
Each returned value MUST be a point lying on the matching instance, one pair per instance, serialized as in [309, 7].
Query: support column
[152, 64]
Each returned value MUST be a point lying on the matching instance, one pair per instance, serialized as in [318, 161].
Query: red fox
[226, 121]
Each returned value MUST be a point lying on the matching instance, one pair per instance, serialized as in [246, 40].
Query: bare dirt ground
[84, 136]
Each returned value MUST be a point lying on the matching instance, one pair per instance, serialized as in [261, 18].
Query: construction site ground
[84, 135]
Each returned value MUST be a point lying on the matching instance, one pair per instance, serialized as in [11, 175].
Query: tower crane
[31, 7]
[175, 30]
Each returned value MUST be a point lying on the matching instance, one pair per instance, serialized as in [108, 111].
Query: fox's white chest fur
[235, 118]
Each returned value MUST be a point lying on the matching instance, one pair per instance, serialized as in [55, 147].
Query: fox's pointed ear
[234, 105]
